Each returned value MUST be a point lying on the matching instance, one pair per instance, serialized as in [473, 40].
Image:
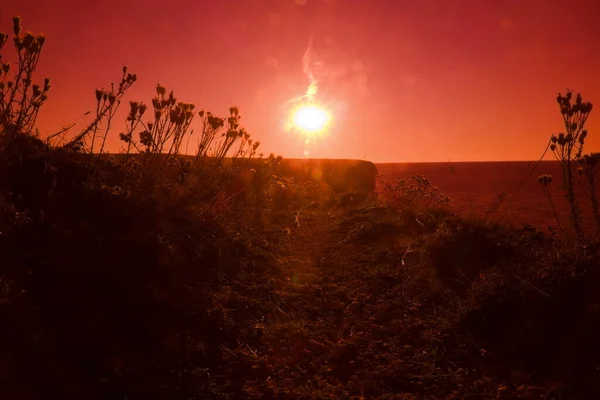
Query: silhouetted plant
[545, 181]
[107, 104]
[568, 149]
[20, 98]
[414, 192]
[159, 145]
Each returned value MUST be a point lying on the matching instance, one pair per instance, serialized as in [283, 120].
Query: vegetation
[151, 274]
[568, 149]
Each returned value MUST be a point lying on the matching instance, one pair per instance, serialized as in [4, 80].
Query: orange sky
[426, 80]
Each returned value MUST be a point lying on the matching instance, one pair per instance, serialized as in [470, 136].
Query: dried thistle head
[545, 179]
[16, 25]
[133, 108]
[98, 95]
[146, 138]
[231, 134]
[125, 137]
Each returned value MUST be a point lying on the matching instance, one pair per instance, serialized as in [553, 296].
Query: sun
[311, 118]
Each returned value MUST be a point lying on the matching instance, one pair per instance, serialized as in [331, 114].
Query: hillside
[315, 294]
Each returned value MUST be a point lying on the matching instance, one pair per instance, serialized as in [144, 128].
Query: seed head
[98, 95]
[553, 147]
[28, 39]
[146, 138]
[142, 109]
[232, 134]
[133, 108]
[173, 115]
[125, 137]
[545, 179]
[17, 25]
[568, 96]
[5, 67]
[3, 39]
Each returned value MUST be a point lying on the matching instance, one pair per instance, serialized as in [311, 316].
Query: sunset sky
[418, 80]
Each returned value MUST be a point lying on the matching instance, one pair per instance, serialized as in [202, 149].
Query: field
[474, 187]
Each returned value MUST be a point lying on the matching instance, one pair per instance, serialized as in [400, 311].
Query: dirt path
[344, 316]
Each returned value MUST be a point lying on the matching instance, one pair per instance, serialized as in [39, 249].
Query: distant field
[473, 186]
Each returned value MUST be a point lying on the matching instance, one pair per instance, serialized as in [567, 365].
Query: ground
[312, 295]
[353, 315]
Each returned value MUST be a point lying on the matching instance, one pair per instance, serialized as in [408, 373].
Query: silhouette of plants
[416, 192]
[568, 148]
[20, 98]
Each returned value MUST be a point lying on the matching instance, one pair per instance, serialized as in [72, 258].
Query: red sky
[426, 80]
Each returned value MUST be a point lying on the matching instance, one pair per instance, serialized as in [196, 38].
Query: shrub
[416, 198]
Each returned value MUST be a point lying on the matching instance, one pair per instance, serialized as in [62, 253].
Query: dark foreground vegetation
[226, 275]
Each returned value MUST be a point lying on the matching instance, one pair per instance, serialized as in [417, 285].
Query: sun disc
[311, 118]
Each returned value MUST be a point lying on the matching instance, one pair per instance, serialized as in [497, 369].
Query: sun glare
[311, 118]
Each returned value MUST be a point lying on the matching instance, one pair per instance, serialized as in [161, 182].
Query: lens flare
[311, 118]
